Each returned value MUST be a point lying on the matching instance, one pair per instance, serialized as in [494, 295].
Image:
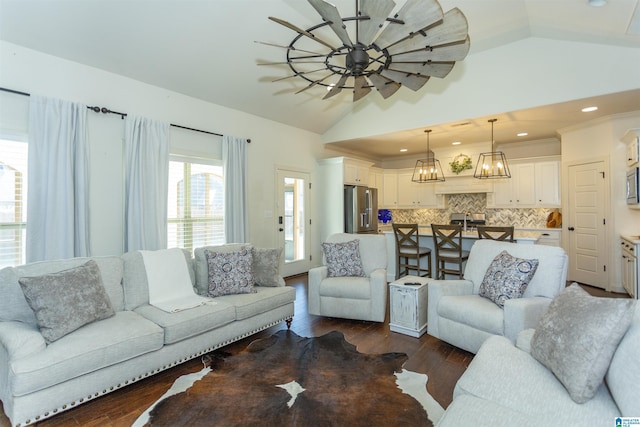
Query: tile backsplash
[475, 203]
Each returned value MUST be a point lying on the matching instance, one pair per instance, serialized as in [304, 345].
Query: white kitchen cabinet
[356, 172]
[390, 191]
[532, 185]
[632, 139]
[413, 195]
[548, 184]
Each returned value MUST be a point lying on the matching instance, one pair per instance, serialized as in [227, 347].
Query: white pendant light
[429, 169]
[493, 164]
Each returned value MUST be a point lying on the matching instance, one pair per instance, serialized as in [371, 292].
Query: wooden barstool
[447, 240]
[495, 233]
[408, 248]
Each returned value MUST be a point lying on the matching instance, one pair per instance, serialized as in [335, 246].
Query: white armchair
[361, 298]
[458, 315]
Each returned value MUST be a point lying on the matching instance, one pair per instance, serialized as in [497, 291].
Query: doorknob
[571, 229]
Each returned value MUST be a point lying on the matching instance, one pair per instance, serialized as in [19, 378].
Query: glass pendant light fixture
[493, 164]
[429, 169]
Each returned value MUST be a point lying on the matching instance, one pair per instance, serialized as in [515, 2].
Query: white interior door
[587, 228]
[293, 220]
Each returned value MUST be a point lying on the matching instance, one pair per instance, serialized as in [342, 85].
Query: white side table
[409, 305]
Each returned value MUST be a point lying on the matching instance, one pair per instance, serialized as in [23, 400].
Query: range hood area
[463, 185]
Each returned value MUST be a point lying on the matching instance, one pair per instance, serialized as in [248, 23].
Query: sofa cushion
[341, 287]
[230, 272]
[265, 299]
[92, 347]
[202, 269]
[507, 277]
[550, 277]
[67, 300]
[135, 283]
[343, 259]
[509, 377]
[191, 322]
[266, 266]
[480, 313]
[623, 375]
[577, 336]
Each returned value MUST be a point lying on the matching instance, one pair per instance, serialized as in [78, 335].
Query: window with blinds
[13, 202]
[195, 205]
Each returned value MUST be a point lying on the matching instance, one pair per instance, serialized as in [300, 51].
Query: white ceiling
[207, 49]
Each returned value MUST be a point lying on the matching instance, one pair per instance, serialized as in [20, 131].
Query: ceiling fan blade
[289, 47]
[412, 81]
[385, 87]
[337, 88]
[450, 52]
[313, 83]
[454, 28]
[416, 15]
[434, 69]
[301, 31]
[330, 14]
[360, 88]
[377, 11]
[290, 62]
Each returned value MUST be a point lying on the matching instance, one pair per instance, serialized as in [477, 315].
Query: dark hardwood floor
[441, 362]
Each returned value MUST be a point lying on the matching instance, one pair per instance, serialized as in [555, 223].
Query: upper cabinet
[532, 185]
[413, 195]
[632, 139]
[389, 198]
[356, 172]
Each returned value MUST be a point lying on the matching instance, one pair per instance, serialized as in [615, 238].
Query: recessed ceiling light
[522, 134]
[589, 109]
[597, 3]
[456, 143]
[402, 150]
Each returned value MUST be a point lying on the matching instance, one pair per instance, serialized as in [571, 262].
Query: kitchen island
[426, 240]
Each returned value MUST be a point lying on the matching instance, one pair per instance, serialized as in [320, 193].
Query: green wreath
[458, 166]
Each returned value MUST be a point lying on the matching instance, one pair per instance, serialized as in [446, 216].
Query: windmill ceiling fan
[374, 49]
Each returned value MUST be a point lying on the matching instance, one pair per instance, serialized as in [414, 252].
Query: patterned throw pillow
[266, 267]
[230, 272]
[507, 277]
[577, 337]
[343, 259]
[67, 300]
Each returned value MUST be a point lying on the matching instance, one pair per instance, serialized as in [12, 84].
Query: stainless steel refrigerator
[360, 209]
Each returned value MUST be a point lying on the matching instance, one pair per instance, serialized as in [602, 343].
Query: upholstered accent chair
[352, 297]
[458, 314]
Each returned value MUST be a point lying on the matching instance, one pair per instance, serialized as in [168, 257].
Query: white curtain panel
[146, 152]
[234, 165]
[58, 195]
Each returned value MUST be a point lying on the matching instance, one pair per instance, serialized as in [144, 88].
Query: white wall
[272, 144]
[601, 139]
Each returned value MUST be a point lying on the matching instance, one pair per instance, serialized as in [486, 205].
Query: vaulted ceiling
[208, 50]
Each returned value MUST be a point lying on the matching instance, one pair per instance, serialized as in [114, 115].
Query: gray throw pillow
[577, 337]
[67, 300]
[266, 267]
[507, 278]
[230, 272]
[343, 259]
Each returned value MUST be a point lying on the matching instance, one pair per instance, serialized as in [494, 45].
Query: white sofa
[458, 315]
[360, 298]
[505, 386]
[38, 380]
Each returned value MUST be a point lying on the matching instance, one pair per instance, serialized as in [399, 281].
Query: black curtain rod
[122, 115]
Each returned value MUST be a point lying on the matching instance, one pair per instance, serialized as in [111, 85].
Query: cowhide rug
[288, 380]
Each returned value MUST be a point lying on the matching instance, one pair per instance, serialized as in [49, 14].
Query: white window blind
[13, 202]
[196, 204]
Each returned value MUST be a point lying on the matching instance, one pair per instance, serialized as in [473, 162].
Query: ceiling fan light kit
[428, 170]
[492, 164]
[374, 49]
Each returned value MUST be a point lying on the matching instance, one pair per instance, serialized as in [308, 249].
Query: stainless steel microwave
[633, 189]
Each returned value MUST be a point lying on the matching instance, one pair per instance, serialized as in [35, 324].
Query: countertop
[427, 232]
[633, 239]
